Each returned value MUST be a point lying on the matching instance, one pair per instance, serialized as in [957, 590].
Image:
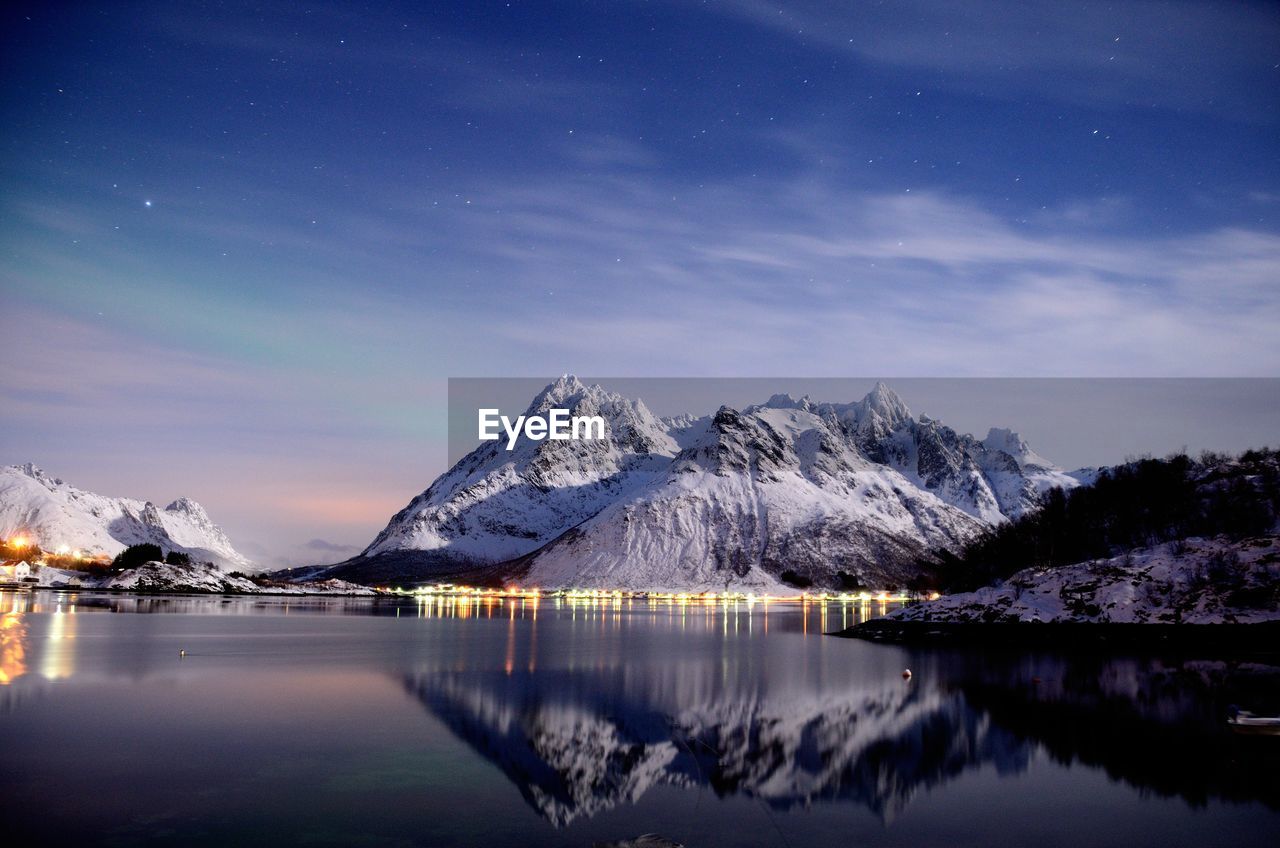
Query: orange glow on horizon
[355, 510]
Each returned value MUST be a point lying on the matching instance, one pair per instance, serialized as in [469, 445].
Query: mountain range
[55, 514]
[790, 490]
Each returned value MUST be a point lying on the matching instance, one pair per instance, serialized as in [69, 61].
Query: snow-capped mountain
[496, 505]
[840, 494]
[56, 514]
[759, 492]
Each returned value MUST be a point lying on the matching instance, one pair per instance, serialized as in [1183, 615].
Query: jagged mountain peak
[630, 424]
[562, 392]
[567, 383]
[150, 515]
[30, 469]
[999, 438]
[886, 404]
[726, 416]
[786, 401]
[1010, 443]
[569, 392]
[189, 507]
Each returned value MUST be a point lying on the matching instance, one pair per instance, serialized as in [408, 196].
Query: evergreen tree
[136, 555]
[1138, 504]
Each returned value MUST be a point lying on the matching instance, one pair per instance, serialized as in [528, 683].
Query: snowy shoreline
[364, 592]
[1179, 592]
[159, 578]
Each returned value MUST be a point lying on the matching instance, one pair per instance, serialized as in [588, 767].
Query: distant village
[21, 559]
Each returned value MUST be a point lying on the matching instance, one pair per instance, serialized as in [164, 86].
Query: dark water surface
[358, 722]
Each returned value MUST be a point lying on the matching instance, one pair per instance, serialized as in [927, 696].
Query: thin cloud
[330, 547]
[950, 285]
[1168, 55]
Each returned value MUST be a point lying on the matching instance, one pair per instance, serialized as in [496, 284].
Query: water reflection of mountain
[1156, 724]
[575, 747]
[576, 744]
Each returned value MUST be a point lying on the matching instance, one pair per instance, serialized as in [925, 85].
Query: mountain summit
[837, 493]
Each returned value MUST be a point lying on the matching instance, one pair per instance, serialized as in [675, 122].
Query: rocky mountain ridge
[837, 494]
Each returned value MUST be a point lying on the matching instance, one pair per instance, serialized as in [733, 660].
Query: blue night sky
[244, 245]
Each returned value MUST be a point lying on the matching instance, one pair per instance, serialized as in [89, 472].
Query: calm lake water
[358, 722]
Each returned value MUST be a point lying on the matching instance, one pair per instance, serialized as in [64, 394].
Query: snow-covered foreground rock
[838, 494]
[56, 515]
[1194, 581]
[195, 577]
[161, 577]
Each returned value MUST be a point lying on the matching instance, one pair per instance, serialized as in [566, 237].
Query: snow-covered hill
[192, 578]
[1191, 581]
[56, 514]
[836, 493]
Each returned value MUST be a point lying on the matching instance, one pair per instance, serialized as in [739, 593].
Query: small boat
[1246, 723]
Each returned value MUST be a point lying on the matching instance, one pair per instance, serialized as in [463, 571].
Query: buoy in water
[182, 653]
[906, 674]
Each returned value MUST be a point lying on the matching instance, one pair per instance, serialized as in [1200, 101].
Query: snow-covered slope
[495, 505]
[161, 577]
[993, 479]
[1192, 581]
[56, 514]
[833, 492]
[761, 492]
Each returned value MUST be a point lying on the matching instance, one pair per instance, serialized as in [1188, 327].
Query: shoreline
[196, 593]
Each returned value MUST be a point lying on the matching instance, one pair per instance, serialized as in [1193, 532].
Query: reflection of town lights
[58, 661]
[12, 646]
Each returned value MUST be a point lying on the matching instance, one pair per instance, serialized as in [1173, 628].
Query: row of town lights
[22, 542]
[680, 597]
